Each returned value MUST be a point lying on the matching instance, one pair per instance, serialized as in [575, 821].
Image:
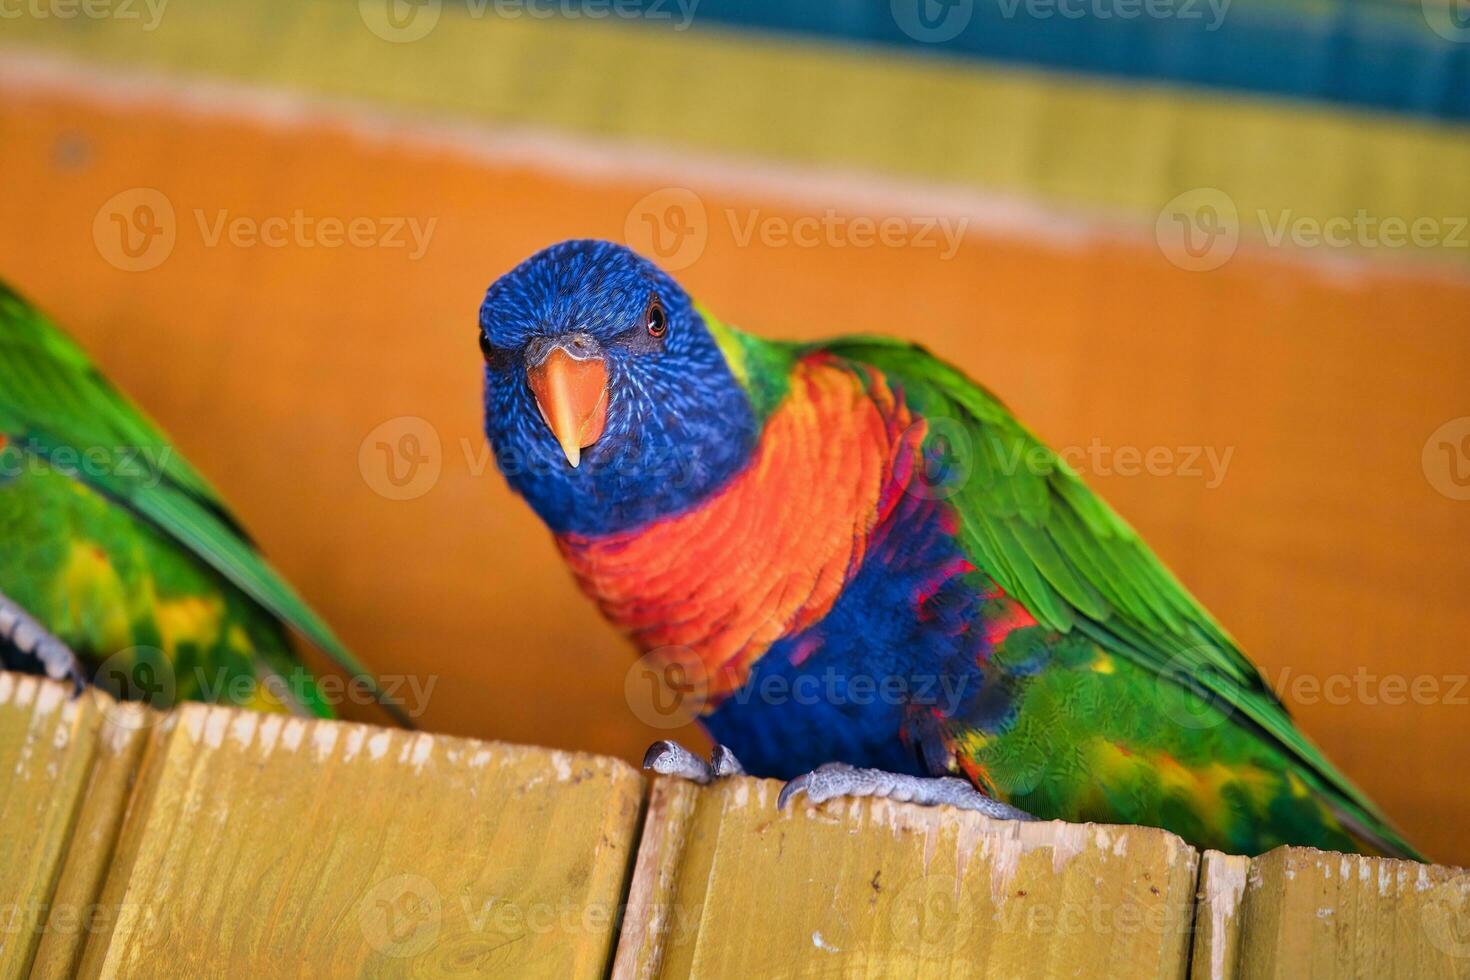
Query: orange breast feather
[767, 556]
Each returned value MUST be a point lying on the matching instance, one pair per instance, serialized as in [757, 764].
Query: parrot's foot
[26, 645]
[839, 779]
[672, 759]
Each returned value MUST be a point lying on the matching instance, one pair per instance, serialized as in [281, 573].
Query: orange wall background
[1327, 547]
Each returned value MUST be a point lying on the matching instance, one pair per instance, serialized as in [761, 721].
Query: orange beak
[572, 395]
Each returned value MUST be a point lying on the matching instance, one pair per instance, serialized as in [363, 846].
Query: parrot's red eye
[658, 322]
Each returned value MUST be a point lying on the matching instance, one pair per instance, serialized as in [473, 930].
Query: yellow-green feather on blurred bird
[113, 546]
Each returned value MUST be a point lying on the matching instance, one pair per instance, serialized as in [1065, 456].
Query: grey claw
[723, 763]
[672, 759]
[29, 638]
[62, 664]
[656, 752]
[791, 788]
[821, 785]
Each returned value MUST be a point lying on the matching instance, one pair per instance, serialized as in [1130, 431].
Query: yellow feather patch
[239, 641]
[729, 346]
[262, 698]
[92, 600]
[189, 619]
[1204, 785]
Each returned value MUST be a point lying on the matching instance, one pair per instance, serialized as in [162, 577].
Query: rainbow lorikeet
[884, 583]
[115, 552]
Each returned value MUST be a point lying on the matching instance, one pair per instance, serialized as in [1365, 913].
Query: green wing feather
[52, 398]
[1077, 566]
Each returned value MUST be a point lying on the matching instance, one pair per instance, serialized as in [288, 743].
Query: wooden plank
[1216, 951]
[47, 740]
[729, 886]
[650, 907]
[74, 911]
[1309, 913]
[224, 842]
[260, 845]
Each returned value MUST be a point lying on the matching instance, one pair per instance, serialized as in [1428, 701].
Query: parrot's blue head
[607, 400]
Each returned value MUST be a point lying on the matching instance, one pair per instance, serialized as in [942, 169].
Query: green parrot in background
[119, 564]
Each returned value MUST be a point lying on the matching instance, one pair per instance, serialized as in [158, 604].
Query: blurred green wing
[1031, 523]
[56, 404]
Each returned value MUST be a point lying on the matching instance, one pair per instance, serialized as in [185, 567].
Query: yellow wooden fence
[211, 842]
